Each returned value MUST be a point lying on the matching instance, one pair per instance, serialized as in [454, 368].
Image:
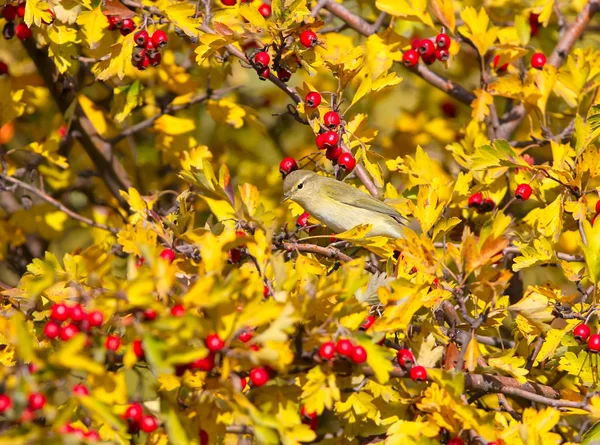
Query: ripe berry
[51, 329]
[151, 48]
[262, 59]
[594, 343]
[448, 108]
[141, 38]
[204, 364]
[320, 141]
[264, 74]
[287, 165]
[228, 2]
[168, 255]
[598, 206]
[429, 59]
[333, 153]
[95, 318]
[143, 63]
[112, 342]
[127, 27]
[60, 312]
[405, 358]
[21, 9]
[134, 412]
[245, 336]
[9, 30]
[283, 74]
[534, 24]
[150, 314]
[442, 41]
[327, 350]
[475, 200]
[487, 205]
[138, 349]
[538, 60]
[214, 342]
[81, 390]
[523, 192]
[303, 413]
[426, 47]
[92, 436]
[154, 59]
[68, 332]
[347, 162]
[148, 424]
[137, 55]
[160, 38]
[259, 376]
[418, 374]
[456, 441]
[265, 291]
[78, 313]
[9, 12]
[204, 434]
[331, 119]
[312, 99]
[178, 310]
[410, 57]
[344, 347]
[582, 332]
[308, 38]
[442, 54]
[359, 355]
[265, 10]
[302, 220]
[368, 323]
[36, 400]
[331, 139]
[113, 22]
[495, 64]
[5, 403]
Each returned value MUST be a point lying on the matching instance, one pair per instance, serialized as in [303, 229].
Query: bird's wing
[354, 197]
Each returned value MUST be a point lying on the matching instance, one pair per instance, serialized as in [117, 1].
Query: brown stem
[328, 252]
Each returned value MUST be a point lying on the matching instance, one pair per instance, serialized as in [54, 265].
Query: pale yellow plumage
[340, 206]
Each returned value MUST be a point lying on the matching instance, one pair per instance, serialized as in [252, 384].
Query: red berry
[331, 139]
[92, 436]
[178, 310]
[9, 12]
[442, 54]
[228, 2]
[160, 38]
[426, 47]
[405, 358]
[68, 332]
[327, 350]
[214, 342]
[148, 424]
[442, 41]
[78, 313]
[456, 441]
[259, 376]
[475, 200]
[312, 99]
[368, 323]
[359, 355]
[134, 412]
[495, 64]
[112, 342]
[81, 390]
[418, 374]
[582, 332]
[9, 30]
[5, 403]
[523, 192]
[283, 74]
[331, 119]
[265, 10]
[204, 434]
[168, 255]
[254, 348]
[487, 206]
[245, 336]
[333, 153]
[36, 400]
[538, 60]
[138, 349]
[265, 291]
[113, 22]
[127, 27]
[95, 318]
[60, 312]
[320, 141]
[154, 59]
[262, 59]
[308, 38]
[410, 57]
[21, 9]
[303, 413]
[534, 24]
[150, 314]
[429, 59]
[141, 38]
[287, 165]
[302, 220]
[204, 364]
[344, 347]
[51, 329]
[264, 74]
[151, 48]
[598, 206]
[143, 63]
[594, 343]
[347, 162]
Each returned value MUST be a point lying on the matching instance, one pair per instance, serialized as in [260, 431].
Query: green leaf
[591, 250]
[24, 341]
[592, 436]
[126, 99]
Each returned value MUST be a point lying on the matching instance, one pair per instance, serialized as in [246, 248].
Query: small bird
[340, 206]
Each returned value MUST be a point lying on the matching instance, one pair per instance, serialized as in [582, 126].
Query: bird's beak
[285, 198]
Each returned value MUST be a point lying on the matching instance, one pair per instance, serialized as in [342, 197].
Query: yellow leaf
[539, 253]
[549, 220]
[72, 355]
[226, 111]
[174, 125]
[591, 250]
[363, 88]
[511, 364]
[118, 61]
[355, 233]
[11, 106]
[250, 198]
[476, 29]
[320, 390]
[481, 104]
[444, 11]
[414, 10]
[93, 25]
[472, 354]
[36, 12]
[181, 14]
[250, 13]
[125, 100]
[378, 358]
[110, 388]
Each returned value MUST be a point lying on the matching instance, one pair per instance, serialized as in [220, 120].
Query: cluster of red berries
[89, 436]
[134, 415]
[80, 320]
[147, 49]
[429, 50]
[582, 334]
[344, 348]
[481, 204]
[264, 9]
[406, 360]
[35, 402]
[11, 13]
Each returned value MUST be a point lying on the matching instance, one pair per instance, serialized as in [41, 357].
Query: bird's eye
[300, 186]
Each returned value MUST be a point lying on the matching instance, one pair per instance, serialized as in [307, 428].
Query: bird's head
[300, 185]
